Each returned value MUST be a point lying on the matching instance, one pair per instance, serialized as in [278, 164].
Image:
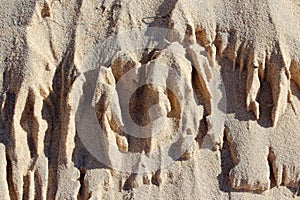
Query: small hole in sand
[47, 67]
[45, 11]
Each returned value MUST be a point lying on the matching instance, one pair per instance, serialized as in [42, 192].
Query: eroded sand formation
[229, 78]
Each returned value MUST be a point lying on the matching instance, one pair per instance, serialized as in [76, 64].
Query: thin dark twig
[154, 17]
